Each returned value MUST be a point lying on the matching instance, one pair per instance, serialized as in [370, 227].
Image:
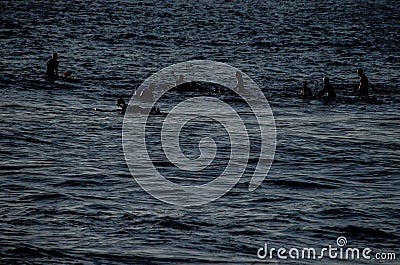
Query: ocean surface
[66, 193]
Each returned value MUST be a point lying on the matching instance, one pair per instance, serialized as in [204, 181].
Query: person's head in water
[238, 75]
[360, 72]
[325, 80]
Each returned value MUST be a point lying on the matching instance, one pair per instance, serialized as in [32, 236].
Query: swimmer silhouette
[362, 89]
[328, 93]
[239, 82]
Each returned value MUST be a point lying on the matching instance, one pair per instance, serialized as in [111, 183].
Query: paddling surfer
[136, 109]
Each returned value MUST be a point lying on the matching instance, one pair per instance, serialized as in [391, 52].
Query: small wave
[268, 200]
[150, 37]
[246, 232]
[341, 212]
[112, 258]
[16, 135]
[23, 222]
[12, 106]
[201, 224]
[42, 211]
[18, 167]
[127, 36]
[170, 222]
[36, 140]
[35, 252]
[76, 183]
[368, 233]
[300, 184]
[43, 196]
[261, 43]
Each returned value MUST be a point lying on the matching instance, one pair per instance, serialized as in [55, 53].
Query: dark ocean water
[66, 194]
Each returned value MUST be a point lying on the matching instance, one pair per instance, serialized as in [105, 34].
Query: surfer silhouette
[147, 93]
[328, 93]
[239, 82]
[305, 92]
[362, 89]
[122, 105]
[52, 66]
[179, 80]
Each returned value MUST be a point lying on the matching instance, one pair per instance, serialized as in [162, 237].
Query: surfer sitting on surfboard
[328, 93]
[305, 92]
[52, 66]
[362, 89]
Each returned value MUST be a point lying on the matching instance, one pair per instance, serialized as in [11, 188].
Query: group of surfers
[327, 93]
